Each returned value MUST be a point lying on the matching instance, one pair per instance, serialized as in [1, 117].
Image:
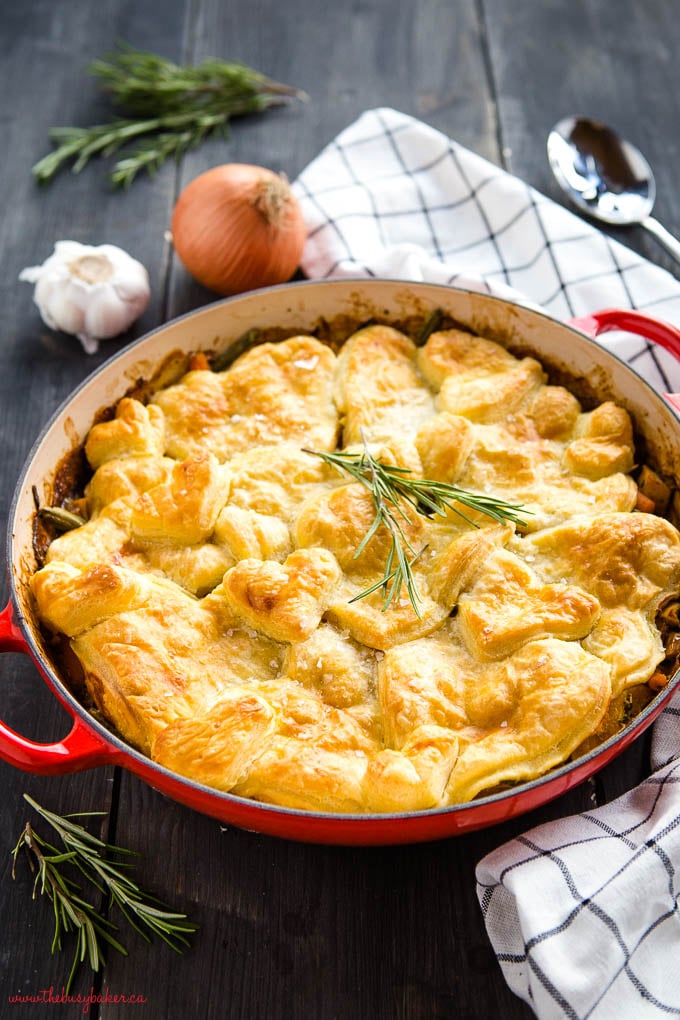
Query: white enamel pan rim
[399, 289]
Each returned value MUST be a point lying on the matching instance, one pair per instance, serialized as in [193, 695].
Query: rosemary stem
[392, 486]
[165, 108]
[73, 913]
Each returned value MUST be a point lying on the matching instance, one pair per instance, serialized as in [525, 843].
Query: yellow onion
[238, 227]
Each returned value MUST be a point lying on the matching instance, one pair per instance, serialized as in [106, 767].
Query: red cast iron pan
[565, 348]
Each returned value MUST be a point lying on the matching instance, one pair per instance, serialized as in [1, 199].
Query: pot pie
[215, 600]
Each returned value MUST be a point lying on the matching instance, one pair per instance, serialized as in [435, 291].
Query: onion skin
[238, 227]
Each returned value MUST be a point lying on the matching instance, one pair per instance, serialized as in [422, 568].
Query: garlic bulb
[94, 293]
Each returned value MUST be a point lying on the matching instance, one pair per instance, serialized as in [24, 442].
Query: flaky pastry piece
[182, 510]
[219, 747]
[272, 393]
[339, 518]
[107, 539]
[302, 764]
[126, 478]
[477, 378]
[445, 569]
[135, 431]
[370, 623]
[483, 399]
[99, 541]
[247, 534]
[602, 443]
[444, 444]
[629, 642]
[198, 569]
[510, 432]
[630, 563]
[171, 657]
[552, 413]
[514, 719]
[297, 762]
[449, 551]
[558, 694]
[378, 388]
[277, 480]
[341, 670]
[460, 354]
[299, 773]
[508, 606]
[285, 600]
[529, 470]
[630, 560]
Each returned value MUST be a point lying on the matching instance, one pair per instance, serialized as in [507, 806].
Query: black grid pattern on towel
[633, 838]
[389, 180]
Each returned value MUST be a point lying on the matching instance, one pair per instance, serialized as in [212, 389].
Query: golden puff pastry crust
[378, 389]
[514, 719]
[507, 606]
[285, 601]
[126, 478]
[184, 509]
[168, 656]
[218, 748]
[135, 431]
[73, 601]
[272, 393]
[231, 617]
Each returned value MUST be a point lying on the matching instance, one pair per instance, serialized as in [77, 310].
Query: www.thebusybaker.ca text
[48, 996]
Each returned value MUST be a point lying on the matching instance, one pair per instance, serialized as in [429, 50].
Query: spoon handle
[663, 236]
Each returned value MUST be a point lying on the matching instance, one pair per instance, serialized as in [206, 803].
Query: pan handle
[662, 333]
[81, 749]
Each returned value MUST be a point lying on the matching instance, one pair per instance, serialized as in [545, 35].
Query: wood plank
[290, 930]
[44, 84]
[415, 58]
[616, 65]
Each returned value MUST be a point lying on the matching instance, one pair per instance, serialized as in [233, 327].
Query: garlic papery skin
[94, 293]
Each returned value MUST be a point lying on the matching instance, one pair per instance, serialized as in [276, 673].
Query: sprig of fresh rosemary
[391, 487]
[85, 853]
[164, 108]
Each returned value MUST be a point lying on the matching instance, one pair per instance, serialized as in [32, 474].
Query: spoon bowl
[605, 176]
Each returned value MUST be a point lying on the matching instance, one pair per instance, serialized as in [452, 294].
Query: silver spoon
[606, 176]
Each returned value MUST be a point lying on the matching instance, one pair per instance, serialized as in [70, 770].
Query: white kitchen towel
[394, 198]
[582, 912]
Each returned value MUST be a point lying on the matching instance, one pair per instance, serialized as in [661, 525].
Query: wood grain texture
[286, 930]
[289, 930]
[422, 59]
[45, 49]
[614, 63]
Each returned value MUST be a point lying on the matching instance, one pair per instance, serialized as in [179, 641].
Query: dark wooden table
[286, 930]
